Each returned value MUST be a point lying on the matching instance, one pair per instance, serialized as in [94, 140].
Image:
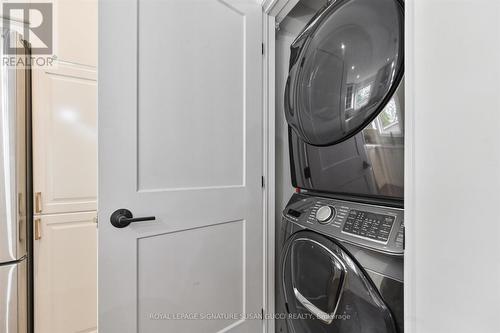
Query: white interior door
[180, 138]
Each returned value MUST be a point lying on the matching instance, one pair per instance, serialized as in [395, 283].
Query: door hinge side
[263, 182]
[262, 48]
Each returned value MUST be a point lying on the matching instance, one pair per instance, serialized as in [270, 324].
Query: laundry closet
[446, 184]
[340, 143]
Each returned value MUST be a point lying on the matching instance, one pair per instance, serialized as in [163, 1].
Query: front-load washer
[341, 267]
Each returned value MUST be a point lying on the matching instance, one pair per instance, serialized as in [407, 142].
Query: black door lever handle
[123, 217]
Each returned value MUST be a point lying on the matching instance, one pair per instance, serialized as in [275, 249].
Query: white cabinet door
[180, 138]
[65, 139]
[66, 274]
[75, 31]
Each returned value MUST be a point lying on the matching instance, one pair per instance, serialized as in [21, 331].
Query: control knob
[324, 214]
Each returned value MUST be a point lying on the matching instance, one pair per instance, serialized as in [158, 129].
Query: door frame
[274, 11]
[270, 9]
[410, 256]
[268, 98]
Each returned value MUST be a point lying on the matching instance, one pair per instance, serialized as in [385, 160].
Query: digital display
[370, 225]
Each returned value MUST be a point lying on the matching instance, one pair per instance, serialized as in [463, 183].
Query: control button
[324, 214]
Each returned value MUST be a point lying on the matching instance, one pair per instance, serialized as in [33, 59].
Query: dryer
[344, 100]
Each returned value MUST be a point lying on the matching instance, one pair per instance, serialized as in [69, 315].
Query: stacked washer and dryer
[341, 237]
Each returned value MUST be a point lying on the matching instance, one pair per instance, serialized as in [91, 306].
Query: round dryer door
[326, 291]
[344, 68]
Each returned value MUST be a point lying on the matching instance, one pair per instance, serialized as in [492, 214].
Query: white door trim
[409, 178]
[269, 168]
[270, 9]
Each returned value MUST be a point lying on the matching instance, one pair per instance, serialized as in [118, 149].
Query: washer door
[344, 67]
[325, 291]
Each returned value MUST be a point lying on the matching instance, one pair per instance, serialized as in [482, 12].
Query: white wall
[453, 166]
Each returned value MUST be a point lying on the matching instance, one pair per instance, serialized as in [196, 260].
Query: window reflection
[362, 96]
[387, 122]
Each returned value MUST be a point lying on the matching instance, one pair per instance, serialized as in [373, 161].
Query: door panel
[191, 286]
[65, 274]
[212, 119]
[65, 139]
[180, 138]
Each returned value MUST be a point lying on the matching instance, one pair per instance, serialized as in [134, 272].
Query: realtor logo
[39, 30]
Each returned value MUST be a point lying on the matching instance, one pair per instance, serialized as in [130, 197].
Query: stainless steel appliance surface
[370, 164]
[14, 185]
[344, 100]
[340, 267]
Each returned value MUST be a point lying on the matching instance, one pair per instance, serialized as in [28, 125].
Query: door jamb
[268, 94]
[273, 11]
[410, 257]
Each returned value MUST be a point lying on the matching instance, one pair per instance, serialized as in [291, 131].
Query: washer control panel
[377, 227]
[368, 224]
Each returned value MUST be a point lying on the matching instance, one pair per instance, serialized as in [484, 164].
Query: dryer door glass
[371, 163]
[344, 68]
[326, 291]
